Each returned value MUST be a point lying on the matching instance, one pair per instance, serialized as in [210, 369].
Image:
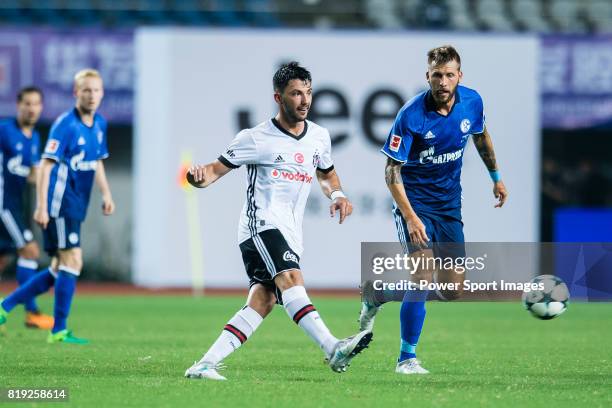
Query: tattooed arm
[393, 178]
[484, 145]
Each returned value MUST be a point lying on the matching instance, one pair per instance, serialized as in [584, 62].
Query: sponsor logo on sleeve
[396, 141]
[52, 146]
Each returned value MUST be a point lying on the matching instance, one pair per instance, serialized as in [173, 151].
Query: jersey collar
[16, 124]
[78, 115]
[285, 131]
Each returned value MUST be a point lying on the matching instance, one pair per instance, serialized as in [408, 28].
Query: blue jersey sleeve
[103, 151]
[479, 123]
[59, 138]
[35, 149]
[399, 141]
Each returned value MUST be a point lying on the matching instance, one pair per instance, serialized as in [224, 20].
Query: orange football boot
[38, 320]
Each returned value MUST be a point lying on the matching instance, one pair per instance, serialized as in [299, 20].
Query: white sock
[234, 334]
[300, 309]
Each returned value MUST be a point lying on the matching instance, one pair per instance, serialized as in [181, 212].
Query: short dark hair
[288, 72]
[28, 89]
[443, 55]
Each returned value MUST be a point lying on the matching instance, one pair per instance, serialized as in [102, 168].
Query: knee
[29, 251]
[71, 259]
[268, 305]
[289, 279]
[263, 305]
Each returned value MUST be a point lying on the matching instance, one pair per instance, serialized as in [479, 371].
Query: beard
[27, 120]
[445, 98]
[291, 114]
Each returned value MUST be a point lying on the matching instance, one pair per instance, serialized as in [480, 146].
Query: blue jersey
[76, 149]
[18, 153]
[430, 146]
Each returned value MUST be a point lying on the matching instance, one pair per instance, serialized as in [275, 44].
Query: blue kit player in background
[71, 162]
[19, 158]
[423, 171]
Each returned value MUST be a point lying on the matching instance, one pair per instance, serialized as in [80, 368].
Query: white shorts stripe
[13, 229]
[265, 255]
[60, 188]
[60, 227]
[401, 232]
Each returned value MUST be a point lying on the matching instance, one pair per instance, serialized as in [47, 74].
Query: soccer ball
[549, 302]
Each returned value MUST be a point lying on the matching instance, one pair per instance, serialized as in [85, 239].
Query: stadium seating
[599, 13]
[568, 15]
[493, 15]
[540, 16]
[529, 16]
[459, 15]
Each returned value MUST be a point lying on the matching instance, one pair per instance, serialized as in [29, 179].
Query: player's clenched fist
[41, 217]
[108, 205]
[500, 192]
[343, 205]
[196, 175]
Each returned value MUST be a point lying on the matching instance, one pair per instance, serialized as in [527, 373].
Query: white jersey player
[280, 168]
[283, 156]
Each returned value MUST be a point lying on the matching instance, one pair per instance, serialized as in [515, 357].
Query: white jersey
[281, 168]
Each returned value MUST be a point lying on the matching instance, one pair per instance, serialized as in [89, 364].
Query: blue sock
[412, 316]
[65, 285]
[40, 283]
[26, 268]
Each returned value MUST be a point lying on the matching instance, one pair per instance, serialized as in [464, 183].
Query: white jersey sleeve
[326, 164]
[242, 150]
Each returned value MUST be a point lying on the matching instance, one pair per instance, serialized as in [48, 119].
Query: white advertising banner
[197, 88]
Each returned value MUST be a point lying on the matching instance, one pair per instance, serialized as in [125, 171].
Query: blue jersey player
[19, 157]
[424, 158]
[71, 162]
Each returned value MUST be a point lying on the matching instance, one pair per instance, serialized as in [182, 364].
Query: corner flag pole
[193, 225]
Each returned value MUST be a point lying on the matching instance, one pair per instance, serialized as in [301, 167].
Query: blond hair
[85, 73]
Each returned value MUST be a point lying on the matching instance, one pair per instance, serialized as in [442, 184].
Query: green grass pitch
[480, 354]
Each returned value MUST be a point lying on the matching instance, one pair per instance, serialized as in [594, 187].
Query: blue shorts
[14, 234]
[62, 233]
[444, 230]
